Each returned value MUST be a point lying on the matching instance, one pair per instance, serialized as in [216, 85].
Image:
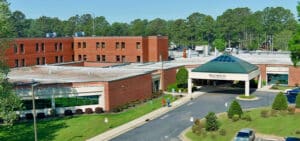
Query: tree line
[240, 27]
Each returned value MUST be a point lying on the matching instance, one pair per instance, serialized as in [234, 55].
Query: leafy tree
[280, 102]
[294, 44]
[20, 23]
[6, 29]
[156, 27]
[177, 32]
[138, 27]
[119, 29]
[234, 109]
[281, 40]
[219, 44]
[298, 101]
[211, 123]
[182, 77]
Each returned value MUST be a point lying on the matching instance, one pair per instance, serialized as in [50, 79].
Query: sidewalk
[110, 134]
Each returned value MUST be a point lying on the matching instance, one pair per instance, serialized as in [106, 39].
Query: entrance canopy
[226, 67]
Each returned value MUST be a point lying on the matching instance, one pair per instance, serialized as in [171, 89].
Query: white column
[53, 101]
[190, 85]
[247, 88]
[259, 82]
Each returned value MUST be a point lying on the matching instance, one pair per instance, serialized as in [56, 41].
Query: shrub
[298, 101]
[235, 118]
[234, 109]
[52, 112]
[211, 122]
[172, 86]
[182, 77]
[40, 116]
[68, 112]
[246, 117]
[297, 132]
[117, 109]
[197, 127]
[99, 110]
[280, 102]
[222, 132]
[29, 116]
[291, 110]
[88, 110]
[264, 113]
[78, 111]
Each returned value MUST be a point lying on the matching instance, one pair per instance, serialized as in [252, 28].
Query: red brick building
[39, 51]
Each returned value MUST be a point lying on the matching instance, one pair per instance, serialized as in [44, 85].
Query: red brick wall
[157, 45]
[127, 90]
[169, 77]
[263, 71]
[294, 76]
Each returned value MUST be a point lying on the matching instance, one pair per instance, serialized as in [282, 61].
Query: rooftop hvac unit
[51, 35]
[79, 34]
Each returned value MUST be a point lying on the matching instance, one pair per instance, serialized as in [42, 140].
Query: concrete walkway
[110, 134]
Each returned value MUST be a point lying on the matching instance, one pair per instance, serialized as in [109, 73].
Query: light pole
[34, 84]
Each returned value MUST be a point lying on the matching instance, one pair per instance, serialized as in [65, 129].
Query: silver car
[245, 135]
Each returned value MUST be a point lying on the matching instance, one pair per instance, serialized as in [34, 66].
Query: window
[36, 47]
[60, 46]
[138, 45]
[16, 63]
[117, 45]
[123, 59]
[73, 58]
[56, 46]
[118, 58]
[97, 44]
[43, 61]
[79, 58]
[15, 48]
[37, 61]
[84, 44]
[123, 45]
[72, 45]
[56, 59]
[23, 63]
[98, 58]
[138, 59]
[103, 58]
[61, 58]
[43, 46]
[22, 50]
[84, 58]
[102, 44]
[79, 44]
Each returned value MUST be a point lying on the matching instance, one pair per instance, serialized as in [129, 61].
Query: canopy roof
[226, 63]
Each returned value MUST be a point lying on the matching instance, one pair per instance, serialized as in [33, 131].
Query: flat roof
[68, 74]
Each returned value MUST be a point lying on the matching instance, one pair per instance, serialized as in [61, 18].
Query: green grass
[280, 87]
[76, 128]
[247, 97]
[282, 125]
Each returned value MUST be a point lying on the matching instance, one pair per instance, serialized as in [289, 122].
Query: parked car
[245, 135]
[292, 94]
[292, 139]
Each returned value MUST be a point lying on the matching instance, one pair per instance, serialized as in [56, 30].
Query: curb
[246, 99]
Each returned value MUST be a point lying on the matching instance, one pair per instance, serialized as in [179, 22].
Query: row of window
[102, 45]
[39, 61]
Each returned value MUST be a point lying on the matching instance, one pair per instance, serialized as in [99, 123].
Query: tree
[211, 123]
[234, 109]
[181, 77]
[280, 102]
[156, 27]
[102, 26]
[298, 101]
[281, 40]
[119, 29]
[138, 27]
[20, 23]
[219, 44]
[197, 127]
[294, 44]
[6, 28]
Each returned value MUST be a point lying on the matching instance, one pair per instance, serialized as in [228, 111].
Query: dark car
[292, 94]
[245, 135]
[292, 139]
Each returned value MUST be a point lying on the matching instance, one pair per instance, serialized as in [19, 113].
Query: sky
[128, 10]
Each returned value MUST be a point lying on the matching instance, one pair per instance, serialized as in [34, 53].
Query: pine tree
[280, 102]
[211, 122]
[234, 109]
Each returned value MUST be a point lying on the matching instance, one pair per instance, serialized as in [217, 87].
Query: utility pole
[34, 111]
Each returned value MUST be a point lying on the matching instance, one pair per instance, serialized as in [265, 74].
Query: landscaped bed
[78, 127]
[284, 124]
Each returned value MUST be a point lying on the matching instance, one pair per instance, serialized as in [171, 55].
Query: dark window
[23, 63]
[138, 45]
[72, 45]
[98, 58]
[117, 45]
[123, 59]
[138, 59]
[123, 45]
[36, 47]
[56, 59]
[56, 46]
[79, 58]
[79, 44]
[103, 58]
[118, 58]
[16, 63]
[60, 46]
[84, 58]
[15, 48]
[43, 61]
[97, 44]
[38, 61]
[43, 46]
[22, 50]
[73, 58]
[84, 44]
[102, 44]
[61, 58]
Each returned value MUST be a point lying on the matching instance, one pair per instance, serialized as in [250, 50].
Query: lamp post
[34, 84]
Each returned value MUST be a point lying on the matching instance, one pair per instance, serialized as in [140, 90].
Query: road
[170, 125]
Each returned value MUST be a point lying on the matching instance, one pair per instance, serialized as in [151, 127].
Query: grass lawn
[76, 128]
[282, 125]
[280, 87]
[247, 97]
